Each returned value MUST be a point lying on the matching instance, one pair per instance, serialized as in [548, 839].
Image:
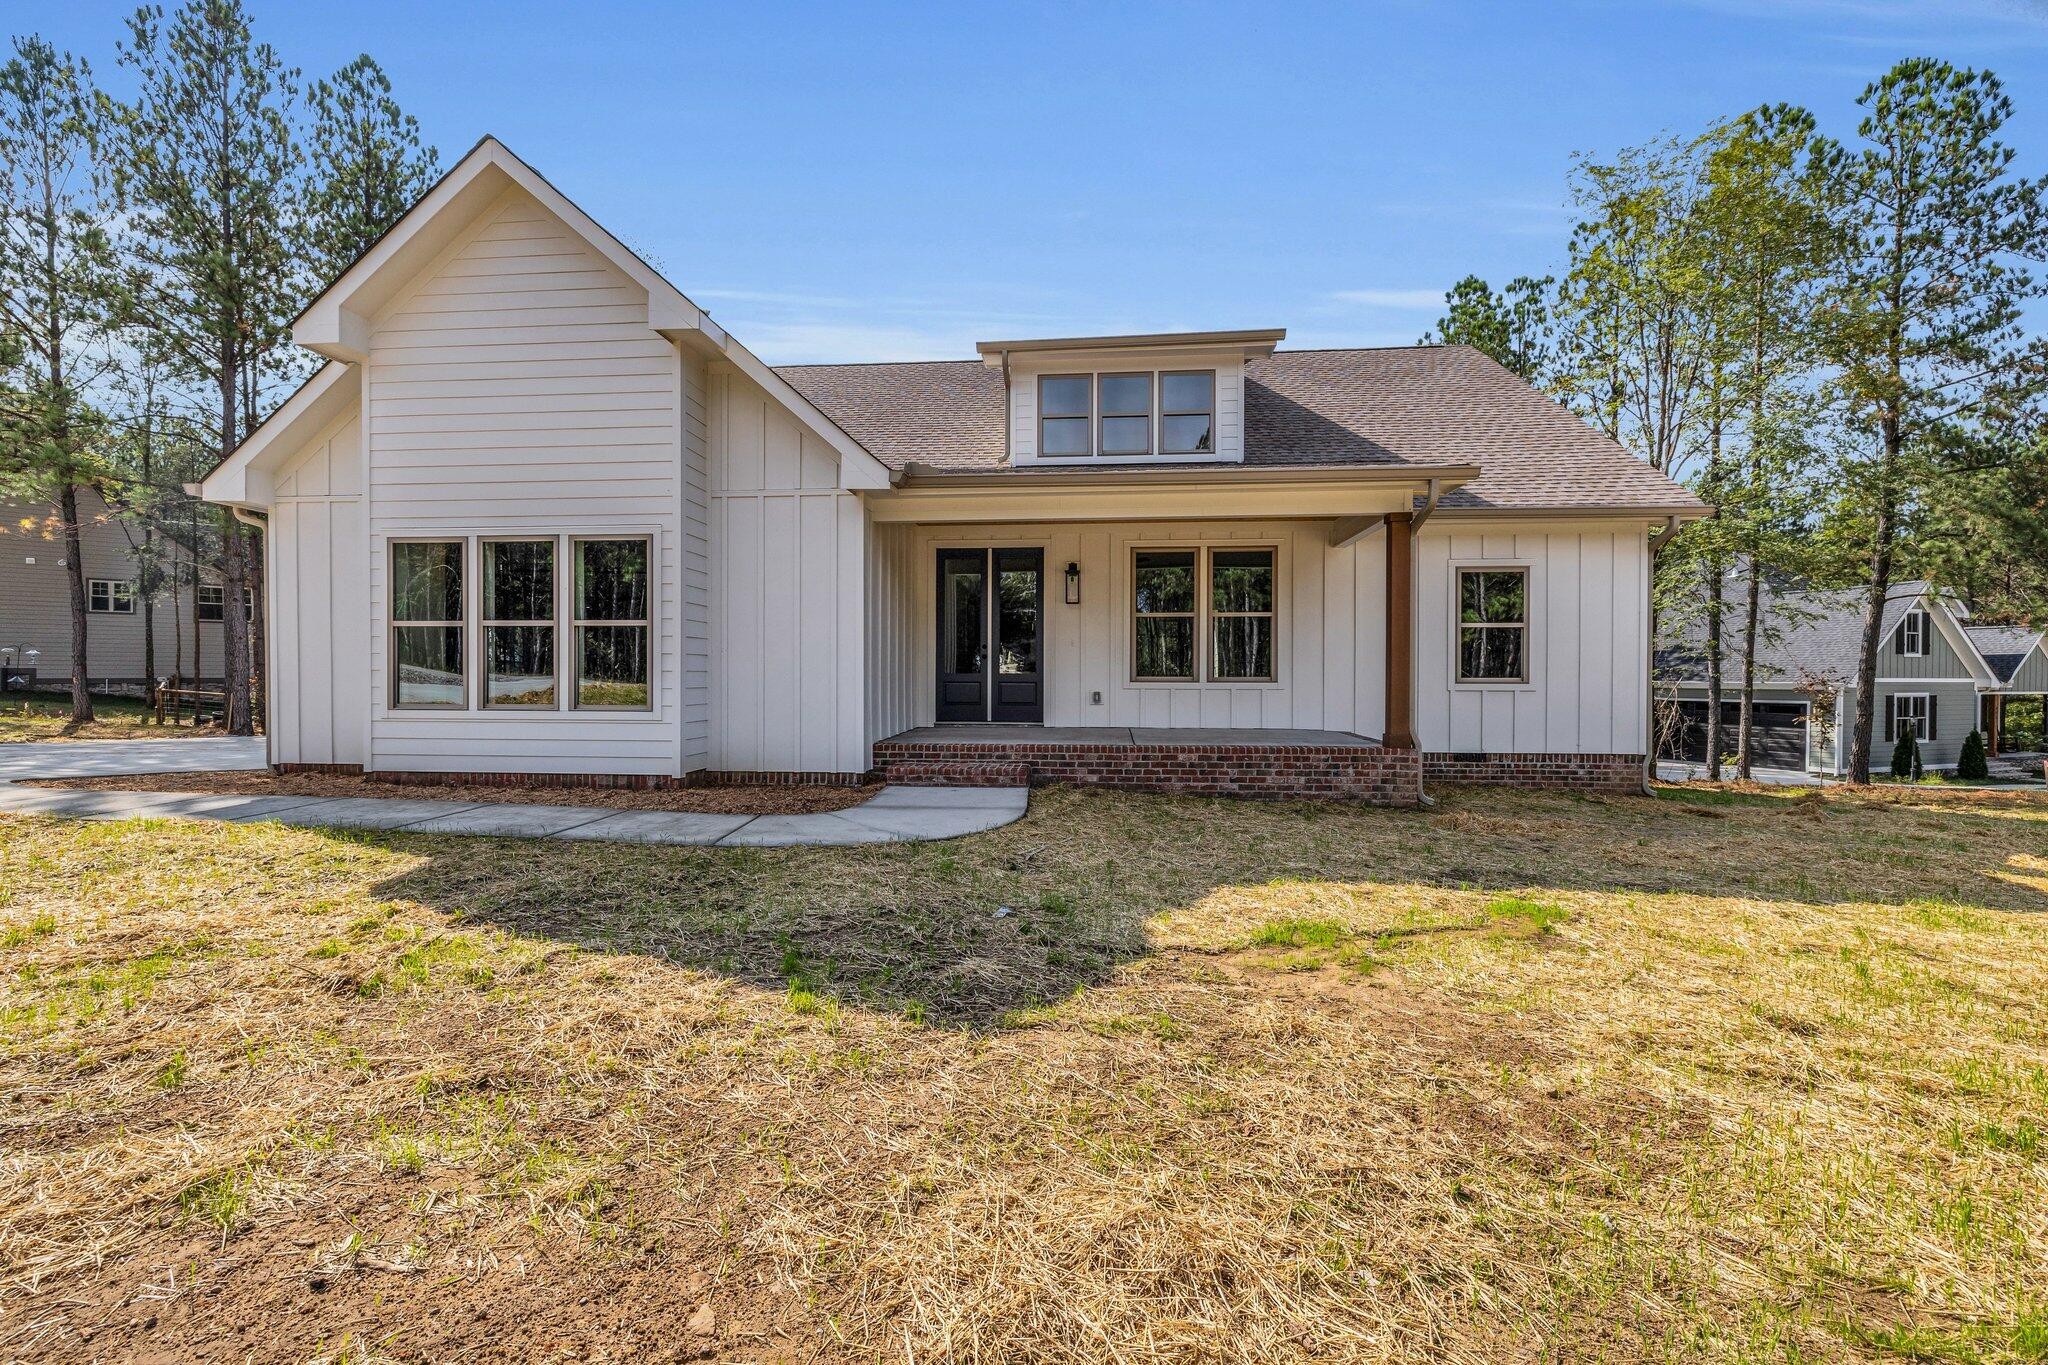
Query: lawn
[1726, 1076]
[47, 715]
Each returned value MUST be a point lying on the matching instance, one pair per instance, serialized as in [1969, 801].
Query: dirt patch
[802, 800]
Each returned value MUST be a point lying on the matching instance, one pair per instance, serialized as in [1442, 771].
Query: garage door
[1780, 739]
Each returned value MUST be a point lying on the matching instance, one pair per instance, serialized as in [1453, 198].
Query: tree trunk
[1746, 726]
[74, 573]
[146, 578]
[1716, 585]
[234, 621]
[1883, 533]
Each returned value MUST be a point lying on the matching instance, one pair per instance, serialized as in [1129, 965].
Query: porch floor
[1129, 737]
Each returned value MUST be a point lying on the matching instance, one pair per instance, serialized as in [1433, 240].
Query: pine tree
[367, 165]
[1905, 755]
[1512, 326]
[1971, 765]
[208, 169]
[57, 287]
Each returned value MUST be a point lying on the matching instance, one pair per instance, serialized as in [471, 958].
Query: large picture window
[519, 623]
[110, 595]
[611, 624]
[427, 660]
[1181, 598]
[1493, 625]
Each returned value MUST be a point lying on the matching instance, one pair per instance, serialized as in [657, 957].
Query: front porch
[1330, 764]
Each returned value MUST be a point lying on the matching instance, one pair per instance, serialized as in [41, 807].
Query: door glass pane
[961, 602]
[429, 665]
[1016, 617]
[519, 580]
[1166, 580]
[519, 664]
[611, 580]
[1241, 580]
[1166, 647]
[611, 666]
[426, 580]
[1244, 647]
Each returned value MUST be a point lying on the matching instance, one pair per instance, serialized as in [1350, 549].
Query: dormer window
[1136, 413]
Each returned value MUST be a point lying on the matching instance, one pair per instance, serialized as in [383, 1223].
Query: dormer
[1167, 398]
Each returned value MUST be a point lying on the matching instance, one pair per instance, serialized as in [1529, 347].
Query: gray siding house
[35, 605]
[1933, 675]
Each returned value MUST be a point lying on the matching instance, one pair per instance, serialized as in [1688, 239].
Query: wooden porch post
[1400, 632]
[1997, 722]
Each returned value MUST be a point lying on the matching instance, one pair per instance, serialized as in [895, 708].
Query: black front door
[991, 636]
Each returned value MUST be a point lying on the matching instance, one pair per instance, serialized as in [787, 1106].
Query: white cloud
[1413, 299]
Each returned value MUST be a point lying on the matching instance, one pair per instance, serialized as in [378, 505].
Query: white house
[538, 514]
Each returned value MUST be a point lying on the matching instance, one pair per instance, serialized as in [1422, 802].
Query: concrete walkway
[892, 815]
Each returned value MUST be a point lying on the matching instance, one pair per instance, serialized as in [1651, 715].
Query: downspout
[1006, 409]
[1657, 543]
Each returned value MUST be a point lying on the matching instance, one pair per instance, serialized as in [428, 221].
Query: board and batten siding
[1940, 662]
[789, 599]
[515, 388]
[1589, 602]
[319, 611]
[1955, 715]
[2032, 676]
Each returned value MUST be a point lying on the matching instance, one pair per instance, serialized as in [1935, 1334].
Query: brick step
[911, 772]
[1336, 772]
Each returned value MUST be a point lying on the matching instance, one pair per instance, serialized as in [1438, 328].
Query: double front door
[992, 636]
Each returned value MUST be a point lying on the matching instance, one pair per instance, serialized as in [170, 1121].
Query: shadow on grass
[963, 932]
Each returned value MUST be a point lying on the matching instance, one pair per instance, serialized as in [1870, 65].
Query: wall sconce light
[1073, 584]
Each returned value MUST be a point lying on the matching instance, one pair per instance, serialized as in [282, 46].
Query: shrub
[1970, 765]
[1905, 756]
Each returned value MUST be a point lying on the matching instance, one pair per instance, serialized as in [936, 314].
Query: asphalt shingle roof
[1809, 633]
[1411, 405]
[2005, 648]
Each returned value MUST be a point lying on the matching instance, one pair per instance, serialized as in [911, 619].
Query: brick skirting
[609, 781]
[1388, 777]
[1576, 772]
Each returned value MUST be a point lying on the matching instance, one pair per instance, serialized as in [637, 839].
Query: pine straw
[800, 799]
[1717, 1076]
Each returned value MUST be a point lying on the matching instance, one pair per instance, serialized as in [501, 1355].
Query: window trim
[392, 625]
[117, 590]
[1204, 614]
[1150, 414]
[1527, 625]
[1923, 724]
[1156, 452]
[573, 699]
[484, 623]
[1089, 416]
[1923, 626]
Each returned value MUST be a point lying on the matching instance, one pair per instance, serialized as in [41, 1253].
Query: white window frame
[1203, 615]
[574, 671]
[118, 594]
[1923, 625]
[1458, 627]
[470, 650]
[485, 623]
[1920, 723]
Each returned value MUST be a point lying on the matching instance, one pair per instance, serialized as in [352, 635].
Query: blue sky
[874, 182]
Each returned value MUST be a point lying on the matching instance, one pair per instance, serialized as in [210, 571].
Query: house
[1936, 673]
[35, 604]
[539, 515]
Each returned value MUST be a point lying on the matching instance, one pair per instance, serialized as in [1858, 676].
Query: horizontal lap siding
[517, 389]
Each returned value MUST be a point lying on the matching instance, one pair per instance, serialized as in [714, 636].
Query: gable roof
[1422, 406]
[2005, 648]
[1813, 633]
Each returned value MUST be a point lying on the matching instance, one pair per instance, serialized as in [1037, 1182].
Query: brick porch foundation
[1575, 772]
[1387, 777]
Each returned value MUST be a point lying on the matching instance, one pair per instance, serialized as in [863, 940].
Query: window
[519, 623]
[1182, 597]
[1164, 603]
[1493, 625]
[1913, 635]
[1141, 413]
[1064, 414]
[611, 618]
[212, 596]
[1126, 402]
[110, 595]
[1241, 615]
[427, 668]
[1911, 711]
[1187, 411]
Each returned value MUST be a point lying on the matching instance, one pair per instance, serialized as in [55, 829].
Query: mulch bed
[801, 800]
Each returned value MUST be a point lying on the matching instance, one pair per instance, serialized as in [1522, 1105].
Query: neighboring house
[540, 515]
[35, 604]
[1933, 675]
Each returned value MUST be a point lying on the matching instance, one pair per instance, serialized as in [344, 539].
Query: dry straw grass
[1721, 1076]
[47, 716]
